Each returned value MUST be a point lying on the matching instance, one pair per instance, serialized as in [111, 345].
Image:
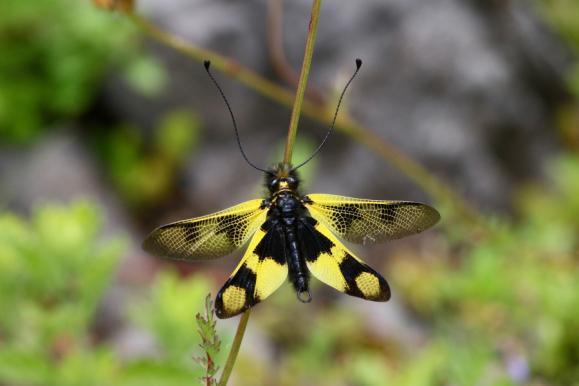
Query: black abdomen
[288, 210]
[297, 269]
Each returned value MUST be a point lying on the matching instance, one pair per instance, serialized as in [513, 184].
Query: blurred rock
[465, 87]
[57, 168]
[134, 343]
[389, 321]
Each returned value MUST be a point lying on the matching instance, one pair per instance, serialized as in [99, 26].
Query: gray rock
[467, 88]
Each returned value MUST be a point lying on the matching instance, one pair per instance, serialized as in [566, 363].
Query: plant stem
[232, 357]
[437, 188]
[304, 74]
[275, 47]
[222, 63]
[309, 50]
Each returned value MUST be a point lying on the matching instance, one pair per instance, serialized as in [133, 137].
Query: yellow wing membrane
[207, 237]
[333, 264]
[261, 271]
[368, 221]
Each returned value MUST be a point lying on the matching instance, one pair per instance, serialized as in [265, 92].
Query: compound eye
[292, 182]
[273, 183]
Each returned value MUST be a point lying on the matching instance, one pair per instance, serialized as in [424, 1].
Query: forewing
[207, 237]
[333, 264]
[368, 221]
[261, 271]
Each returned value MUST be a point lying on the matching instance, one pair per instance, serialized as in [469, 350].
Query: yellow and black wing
[207, 237]
[261, 271]
[367, 221]
[333, 264]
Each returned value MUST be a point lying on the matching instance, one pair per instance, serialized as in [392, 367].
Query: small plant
[55, 270]
[210, 343]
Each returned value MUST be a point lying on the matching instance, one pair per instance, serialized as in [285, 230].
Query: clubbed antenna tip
[358, 63]
[207, 64]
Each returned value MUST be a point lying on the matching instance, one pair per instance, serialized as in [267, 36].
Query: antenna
[207, 64]
[358, 65]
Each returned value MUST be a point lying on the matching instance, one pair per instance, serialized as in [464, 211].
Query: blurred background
[106, 133]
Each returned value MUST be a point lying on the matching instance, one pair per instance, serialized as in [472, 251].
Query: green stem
[304, 74]
[232, 357]
[435, 187]
[309, 50]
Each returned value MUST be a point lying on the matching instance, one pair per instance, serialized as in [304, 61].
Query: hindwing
[333, 264]
[207, 237]
[261, 271]
[367, 221]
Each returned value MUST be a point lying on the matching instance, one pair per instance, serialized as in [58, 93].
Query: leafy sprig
[210, 343]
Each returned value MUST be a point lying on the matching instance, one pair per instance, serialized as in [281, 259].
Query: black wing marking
[261, 271]
[367, 221]
[332, 263]
[207, 237]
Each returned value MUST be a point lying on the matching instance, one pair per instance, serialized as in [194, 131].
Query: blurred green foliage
[145, 172]
[52, 277]
[501, 309]
[563, 16]
[54, 56]
[54, 273]
[497, 310]
[146, 75]
[514, 295]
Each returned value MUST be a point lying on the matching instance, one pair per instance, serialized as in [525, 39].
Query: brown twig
[277, 54]
[413, 170]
